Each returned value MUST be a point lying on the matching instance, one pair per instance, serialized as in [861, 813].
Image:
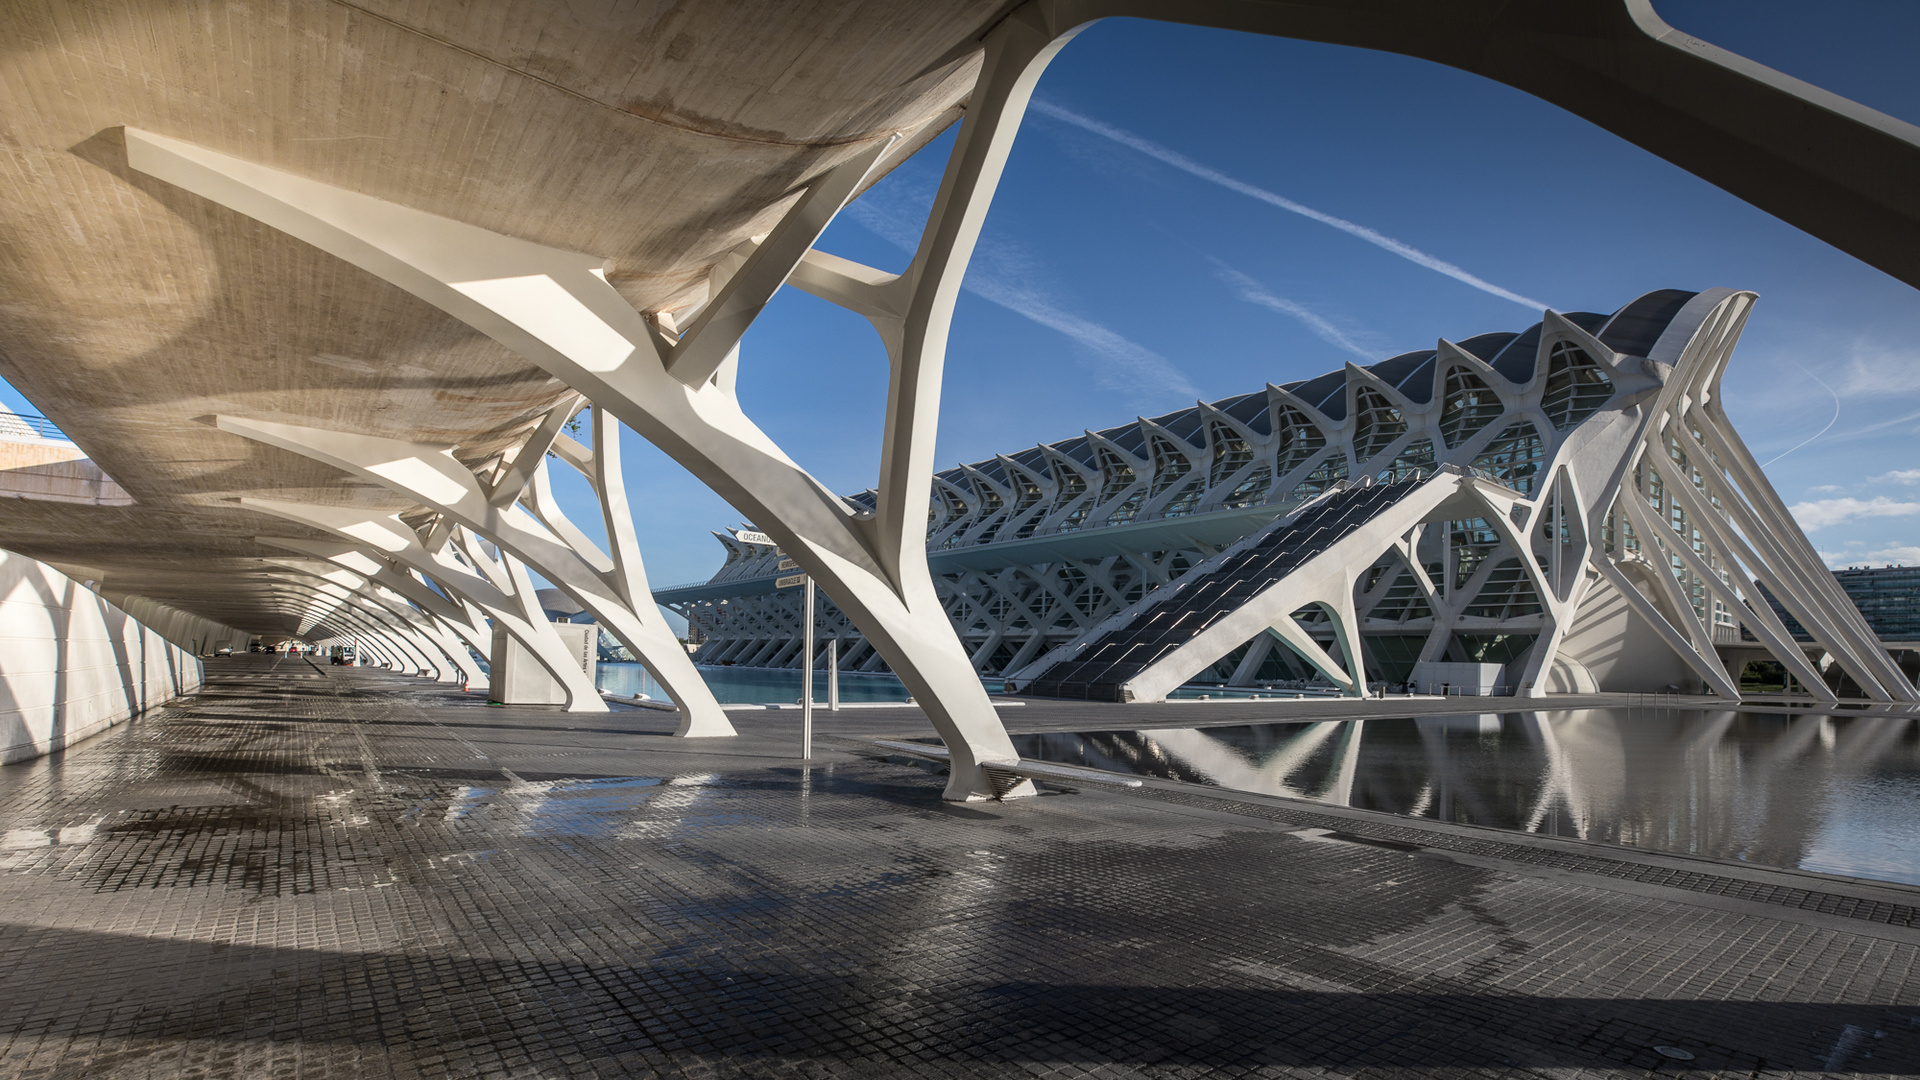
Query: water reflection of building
[1779, 790]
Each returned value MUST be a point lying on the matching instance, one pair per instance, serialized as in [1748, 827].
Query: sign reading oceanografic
[748, 536]
[789, 581]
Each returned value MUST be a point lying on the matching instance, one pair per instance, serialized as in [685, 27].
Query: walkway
[311, 872]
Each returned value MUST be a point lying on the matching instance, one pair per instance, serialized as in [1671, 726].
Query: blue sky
[1193, 213]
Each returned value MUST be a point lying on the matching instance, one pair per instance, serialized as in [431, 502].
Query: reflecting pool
[756, 686]
[764, 686]
[1836, 794]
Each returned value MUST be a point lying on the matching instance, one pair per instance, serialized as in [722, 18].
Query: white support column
[1293, 636]
[416, 654]
[435, 478]
[1759, 618]
[456, 625]
[1707, 666]
[554, 308]
[1248, 669]
[518, 612]
[1795, 572]
[445, 654]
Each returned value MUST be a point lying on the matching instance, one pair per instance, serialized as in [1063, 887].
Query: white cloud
[1897, 555]
[1249, 290]
[1899, 476]
[1129, 365]
[1827, 488]
[1820, 513]
[1188, 165]
[1875, 370]
[1006, 276]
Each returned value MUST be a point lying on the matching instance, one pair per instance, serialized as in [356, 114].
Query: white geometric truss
[457, 627]
[1621, 507]
[1721, 523]
[605, 585]
[676, 388]
[462, 569]
[446, 654]
[416, 655]
[554, 308]
[325, 609]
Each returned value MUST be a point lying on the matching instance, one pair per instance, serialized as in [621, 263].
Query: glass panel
[1513, 457]
[1380, 423]
[1470, 405]
[1576, 386]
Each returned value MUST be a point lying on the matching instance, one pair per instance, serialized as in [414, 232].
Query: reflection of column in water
[1341, 791]
[1592, 752]
[1443, 766]
[1559, 783]
[1217, 763]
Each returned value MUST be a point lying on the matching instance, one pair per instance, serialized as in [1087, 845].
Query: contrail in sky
[998, 279]
[1188, 165]
[1250, 291]
[1822, 431]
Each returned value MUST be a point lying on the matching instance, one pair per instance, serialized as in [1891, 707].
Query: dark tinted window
[1251, 410]
[1487, 346]
[1634, 328]
[1328, 393]
[1517, 359]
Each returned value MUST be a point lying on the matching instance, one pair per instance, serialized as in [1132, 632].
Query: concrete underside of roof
[659, 138]
[131, 311]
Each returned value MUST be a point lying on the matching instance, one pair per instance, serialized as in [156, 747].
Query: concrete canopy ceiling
[660, 136]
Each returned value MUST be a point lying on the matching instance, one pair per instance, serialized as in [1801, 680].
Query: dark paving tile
[356, 875]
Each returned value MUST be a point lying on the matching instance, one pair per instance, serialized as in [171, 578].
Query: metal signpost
[833, 675]
[806, 654]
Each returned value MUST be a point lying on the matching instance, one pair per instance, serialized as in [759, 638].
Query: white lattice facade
[1033, 549]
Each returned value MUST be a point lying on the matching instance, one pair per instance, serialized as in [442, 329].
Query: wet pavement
[308, 871]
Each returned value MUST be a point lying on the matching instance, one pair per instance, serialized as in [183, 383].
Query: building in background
[1581, 418]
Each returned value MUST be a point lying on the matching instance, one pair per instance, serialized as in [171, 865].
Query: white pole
[806, 669]
[833, 675]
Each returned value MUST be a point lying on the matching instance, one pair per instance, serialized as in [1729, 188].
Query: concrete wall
[514, 677]
[56, 471]
[1611, 648]
[72, 664]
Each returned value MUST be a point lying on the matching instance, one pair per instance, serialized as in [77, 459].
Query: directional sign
[790, 581]
[748, 536]
[787, 564]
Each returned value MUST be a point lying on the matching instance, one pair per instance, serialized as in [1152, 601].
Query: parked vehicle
[341, 655]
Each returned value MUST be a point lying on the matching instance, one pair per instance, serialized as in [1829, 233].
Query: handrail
[30, 424]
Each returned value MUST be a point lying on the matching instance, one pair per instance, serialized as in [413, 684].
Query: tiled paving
[324, 872]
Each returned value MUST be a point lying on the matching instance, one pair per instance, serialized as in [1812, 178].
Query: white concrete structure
[559, 179]
[466, 574]
[72, 664]
[555, 308]
[1550, 566]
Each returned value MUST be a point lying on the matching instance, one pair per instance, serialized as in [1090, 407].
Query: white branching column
[497, 586]
[555, 308]
[433, 477]
[456, 626]
[447, 656]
